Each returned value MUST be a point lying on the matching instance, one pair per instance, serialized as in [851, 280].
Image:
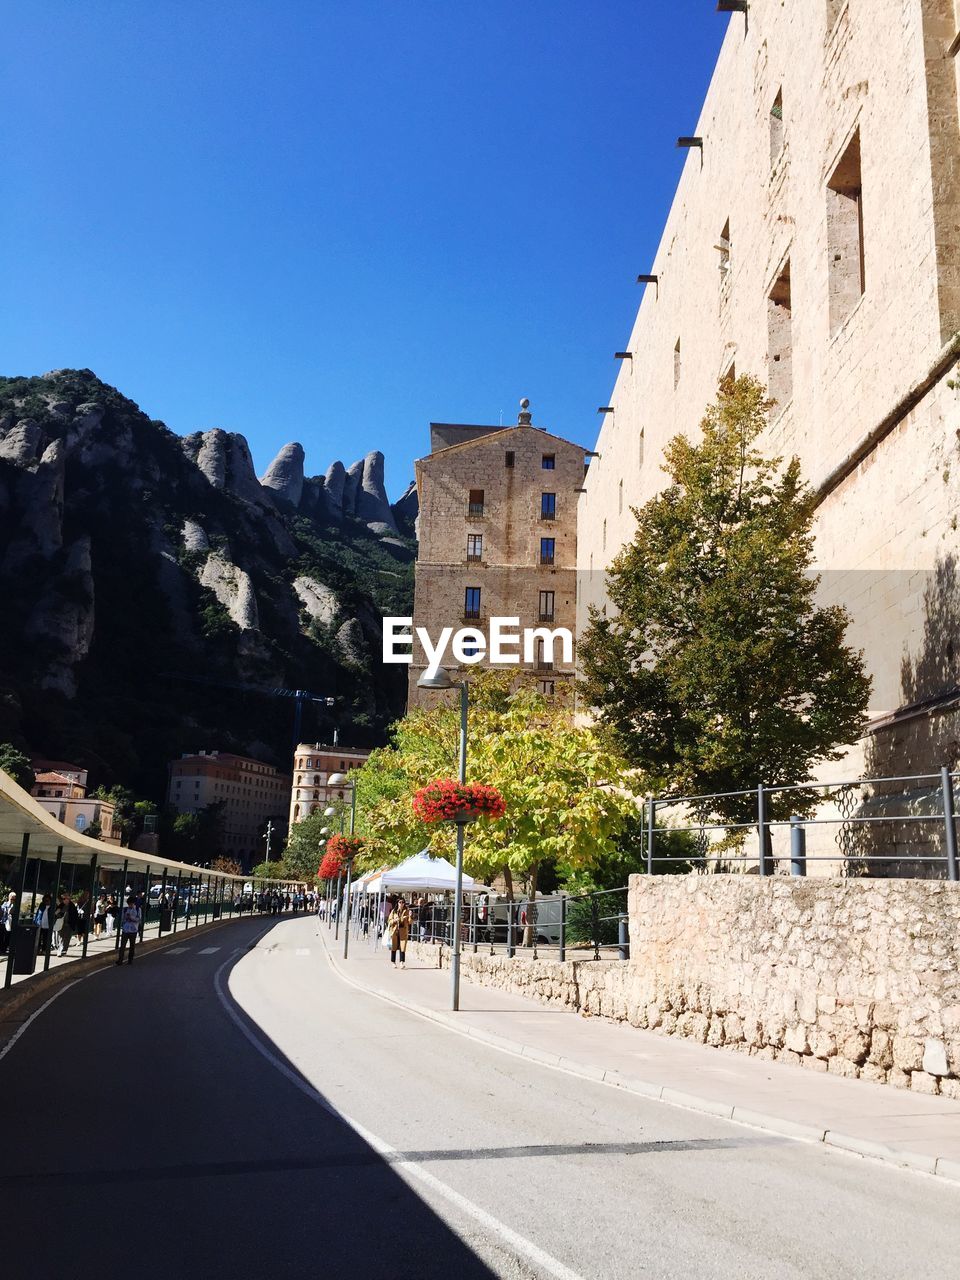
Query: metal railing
[892, 827]
[586, 926]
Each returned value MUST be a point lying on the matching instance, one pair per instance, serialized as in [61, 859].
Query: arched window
[296, 812]
[316, 779]
[81, 821]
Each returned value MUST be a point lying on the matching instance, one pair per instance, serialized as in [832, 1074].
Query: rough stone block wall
[857, 978]
[854, 977]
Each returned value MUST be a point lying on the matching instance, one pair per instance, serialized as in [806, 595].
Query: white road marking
[525, 1248]
[208, 951]
[175, 951]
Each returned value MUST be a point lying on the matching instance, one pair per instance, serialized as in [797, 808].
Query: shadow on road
[152, 1131]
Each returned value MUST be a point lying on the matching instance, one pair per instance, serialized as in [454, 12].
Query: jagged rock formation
[233, 587]
[132, 559]
[285, 474]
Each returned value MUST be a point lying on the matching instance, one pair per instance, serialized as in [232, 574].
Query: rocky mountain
[145, 576]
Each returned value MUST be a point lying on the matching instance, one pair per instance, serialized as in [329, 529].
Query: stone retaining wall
[854, 977]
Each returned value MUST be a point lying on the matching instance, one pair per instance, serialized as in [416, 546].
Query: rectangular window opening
[548, 506]
[723, 248]
[548, 548]
[776, 128]
[549, 461]
[475, 503]
[547, 601]
[547, 687]
[845, 235]
[508, 458]
[780, 340]
[474, 546]
[471, 602]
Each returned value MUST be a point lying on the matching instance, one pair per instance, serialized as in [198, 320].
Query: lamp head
[336, 780]
[439, 680]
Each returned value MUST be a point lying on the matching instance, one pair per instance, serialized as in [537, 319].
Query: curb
[943, 1167]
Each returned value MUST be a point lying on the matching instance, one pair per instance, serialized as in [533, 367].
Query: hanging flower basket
[344, 848]
[446, 800]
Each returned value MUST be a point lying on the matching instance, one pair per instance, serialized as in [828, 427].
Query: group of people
[59, 924]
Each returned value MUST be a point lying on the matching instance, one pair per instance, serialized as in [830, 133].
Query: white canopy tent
[427, 874]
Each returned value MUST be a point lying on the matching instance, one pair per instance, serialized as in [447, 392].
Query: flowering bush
[446, 800]
[330, 867]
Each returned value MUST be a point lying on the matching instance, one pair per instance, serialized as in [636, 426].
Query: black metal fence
[901, 826]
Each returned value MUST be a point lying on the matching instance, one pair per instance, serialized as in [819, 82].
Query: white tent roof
[430, 874]
[365, 883]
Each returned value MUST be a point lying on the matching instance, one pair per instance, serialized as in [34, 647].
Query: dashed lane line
[208, 951]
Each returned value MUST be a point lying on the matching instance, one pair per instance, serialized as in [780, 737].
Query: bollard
[762, 828]
[798, 847]
[623, 937]
[950, 827]
[651, 831]
[563, 927]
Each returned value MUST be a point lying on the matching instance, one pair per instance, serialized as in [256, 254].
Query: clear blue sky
[335, 220]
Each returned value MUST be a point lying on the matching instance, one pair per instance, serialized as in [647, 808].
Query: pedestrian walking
[100, 916]
[129, 929]
[69, 922]
[7, 911]
[398, 926]
[43, 919]
[111, 916]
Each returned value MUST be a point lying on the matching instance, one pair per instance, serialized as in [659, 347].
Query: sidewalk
[894, 1125]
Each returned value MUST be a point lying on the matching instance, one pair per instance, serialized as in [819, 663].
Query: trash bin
[24, 942]
[166, 919]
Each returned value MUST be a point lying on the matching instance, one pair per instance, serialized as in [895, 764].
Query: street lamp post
[442, 681]
[341, 780]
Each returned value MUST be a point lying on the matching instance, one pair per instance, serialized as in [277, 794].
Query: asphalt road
[184, 1117]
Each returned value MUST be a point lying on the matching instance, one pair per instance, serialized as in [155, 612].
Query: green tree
[17, 765]
[717, 669]
[273, 870]
[565, 790]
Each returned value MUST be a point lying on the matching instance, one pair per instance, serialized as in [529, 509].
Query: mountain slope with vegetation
[145, 575]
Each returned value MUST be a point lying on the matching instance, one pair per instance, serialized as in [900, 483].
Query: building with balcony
[251, 792]
[313, 766]
[497, 538]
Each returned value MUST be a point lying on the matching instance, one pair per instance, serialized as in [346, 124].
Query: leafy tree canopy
[17, 765]
[564, 790]
[718, 670]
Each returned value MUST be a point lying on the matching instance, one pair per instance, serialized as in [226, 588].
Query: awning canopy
[428, 874]
[21, 815]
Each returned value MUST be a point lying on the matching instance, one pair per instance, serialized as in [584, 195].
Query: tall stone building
[250, 791]
[814, 241]
[313, 766]
[497, 538]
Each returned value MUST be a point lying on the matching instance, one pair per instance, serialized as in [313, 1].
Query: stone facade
[313, 766]
[784, 256]
[489, 497]
[858, 978]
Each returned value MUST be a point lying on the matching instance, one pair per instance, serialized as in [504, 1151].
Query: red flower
[446, 800]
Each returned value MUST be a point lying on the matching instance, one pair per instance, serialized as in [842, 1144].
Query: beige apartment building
[814, 241]
[251, 792]
[314, 763]
[497, 538]
[61, 789]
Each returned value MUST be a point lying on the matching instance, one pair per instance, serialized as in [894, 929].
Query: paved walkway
[894, 1125]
